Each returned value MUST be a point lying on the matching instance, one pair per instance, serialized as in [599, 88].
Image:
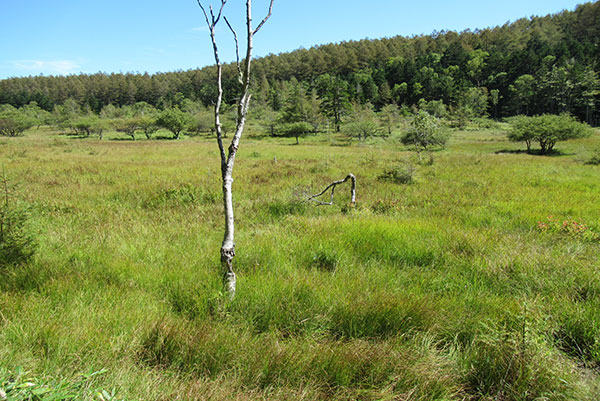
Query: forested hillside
[533, 65]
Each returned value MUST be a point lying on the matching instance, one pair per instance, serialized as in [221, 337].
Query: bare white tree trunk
[228, 156]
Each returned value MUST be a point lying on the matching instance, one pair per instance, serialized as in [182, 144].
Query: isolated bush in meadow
[200, 122]
[296, 130]
[83, 125]
[389, 117]
[399, 173]
[17, 243]
[595, 159]
[547, 130]
[425, 132]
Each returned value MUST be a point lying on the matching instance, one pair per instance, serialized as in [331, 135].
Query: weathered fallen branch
[332, 186]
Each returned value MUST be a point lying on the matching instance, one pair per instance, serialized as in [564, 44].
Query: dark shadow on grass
[534, 152]
[128, 139]
[342, 144]
[163, 138]
[76, 136]
[22, 278]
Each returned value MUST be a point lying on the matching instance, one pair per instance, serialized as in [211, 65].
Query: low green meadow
[468, 283]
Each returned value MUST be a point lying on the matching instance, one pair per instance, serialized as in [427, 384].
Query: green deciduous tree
[523, 90]
[173, 120]
[389, 117]
[201, 121]
[296, 130]
[436, 108]
[128, 125]
[37, 115]
[100, 125]
[476, 64]
[14, 122]
[547, 130]
[474, 102]
[362, 122]
[83, 125]
[425, 132]
[589, 86]
[143, 109]
[522, 130]
[148, 125]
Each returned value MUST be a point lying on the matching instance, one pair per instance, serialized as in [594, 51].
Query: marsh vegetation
[455, 286]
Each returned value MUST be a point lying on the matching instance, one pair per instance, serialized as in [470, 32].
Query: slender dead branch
[211, 23]
[264, 19]
[332, 186]
[204, 11]
[237, 50]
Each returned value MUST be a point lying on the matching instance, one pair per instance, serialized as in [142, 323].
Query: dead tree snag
[332, 186]
[228, 155]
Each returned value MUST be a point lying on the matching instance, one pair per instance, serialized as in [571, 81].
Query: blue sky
[72, 36]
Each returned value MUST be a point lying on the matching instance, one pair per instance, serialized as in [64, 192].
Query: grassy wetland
[469, 283]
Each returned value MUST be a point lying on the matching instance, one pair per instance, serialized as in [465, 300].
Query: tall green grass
[444, 289]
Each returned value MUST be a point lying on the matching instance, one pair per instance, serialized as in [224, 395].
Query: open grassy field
[443, 289]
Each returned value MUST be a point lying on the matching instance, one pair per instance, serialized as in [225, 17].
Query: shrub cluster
[595, 159]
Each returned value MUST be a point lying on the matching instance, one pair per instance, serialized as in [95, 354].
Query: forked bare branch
[212, 21]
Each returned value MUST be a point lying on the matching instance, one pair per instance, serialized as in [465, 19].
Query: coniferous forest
[531, 66]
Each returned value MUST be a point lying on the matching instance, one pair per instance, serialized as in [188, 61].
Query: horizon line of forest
[532, 66]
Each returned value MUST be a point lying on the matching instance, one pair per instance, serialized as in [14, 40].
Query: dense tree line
[531, 66]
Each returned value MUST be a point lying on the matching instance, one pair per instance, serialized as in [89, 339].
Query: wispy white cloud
[62, 67]
[154, 50]
[200, 29]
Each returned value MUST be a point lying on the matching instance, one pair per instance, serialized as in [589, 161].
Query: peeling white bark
[332, 186]
[228, 157]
